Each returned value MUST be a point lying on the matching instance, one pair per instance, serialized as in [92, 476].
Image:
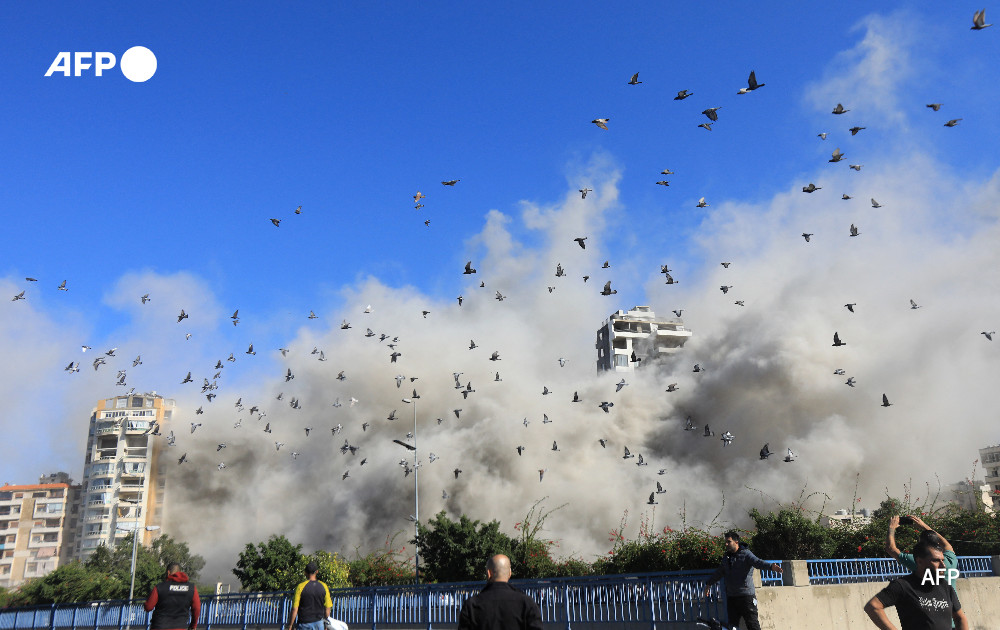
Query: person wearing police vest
[312, 603]
[174, 602]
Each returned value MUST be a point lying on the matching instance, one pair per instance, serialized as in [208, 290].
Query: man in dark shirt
[312, 603]
[736, 569]
[174, 603]
[924, 600]
[499, 606]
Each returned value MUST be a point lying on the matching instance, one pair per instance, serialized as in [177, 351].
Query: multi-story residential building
[124, 479]
[37, 528]
[989, 457]
[637, 333]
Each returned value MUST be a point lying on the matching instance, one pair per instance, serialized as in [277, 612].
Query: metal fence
[883, 569]
[642, 599]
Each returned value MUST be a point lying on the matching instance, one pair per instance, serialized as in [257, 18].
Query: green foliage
[332, 569]
[168, 550]
[381, 567]
[73, 582]
[272, 566]
[667, 550]
[456, 551]
[789, 535]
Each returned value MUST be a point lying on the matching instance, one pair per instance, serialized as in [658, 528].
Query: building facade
[989, 457]
[970, 495]
[637, 333]
[37, 528]
[124, 477]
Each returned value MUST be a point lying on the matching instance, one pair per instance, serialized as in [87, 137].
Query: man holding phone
[926, 534]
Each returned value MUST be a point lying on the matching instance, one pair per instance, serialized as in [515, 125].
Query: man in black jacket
[499, 606]
[737, 568]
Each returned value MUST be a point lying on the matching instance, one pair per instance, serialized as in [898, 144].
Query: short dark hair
[923, 549]
[735, 535]
[932, 538]
[311, 568]
[173, 567]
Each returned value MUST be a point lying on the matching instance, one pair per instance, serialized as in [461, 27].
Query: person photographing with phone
[927, 534]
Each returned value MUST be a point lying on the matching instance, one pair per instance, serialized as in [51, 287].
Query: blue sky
[349, 109]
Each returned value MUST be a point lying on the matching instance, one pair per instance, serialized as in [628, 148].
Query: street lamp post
[416, 493]
[135, 546]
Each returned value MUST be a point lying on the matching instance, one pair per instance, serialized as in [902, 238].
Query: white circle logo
[138, 64]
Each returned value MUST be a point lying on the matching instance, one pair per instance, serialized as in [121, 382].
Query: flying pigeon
[851, 306]
[914, 305]
[885, 401]
[839, 109]
[701, 203]
[790, 456]
[836, 340]
[468, 270]
[875, 204]
[751, 84]
[710, 112]
[583, 192]
[765, 452]
[806, 235]
[979, 20]
[619, 385]
[954, 121]
[627, 454]
[854, 130]
[811, 188]
[580, 241]
[450, 182]
[633, 81]
[606, 406]
[854, 230]
[652, 499]
[182, 316]
[607, 289]
[601, 122]
[683, 94]
[935, 106]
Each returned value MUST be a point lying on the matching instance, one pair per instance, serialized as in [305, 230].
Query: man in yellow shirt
[312, 603]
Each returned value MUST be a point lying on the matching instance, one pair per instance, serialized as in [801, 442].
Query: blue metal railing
[883, 569]
[641, 599]
[769, 577]
[637, 599]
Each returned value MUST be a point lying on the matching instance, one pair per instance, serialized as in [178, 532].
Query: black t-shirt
[921, 606]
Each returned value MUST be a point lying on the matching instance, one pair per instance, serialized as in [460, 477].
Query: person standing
[312, 603]
[923, 599]
[499, 606]
[926, 533]
[736, 569]
[174, 602]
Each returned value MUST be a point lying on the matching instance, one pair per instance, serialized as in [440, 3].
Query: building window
[621, 360]
[120, 403]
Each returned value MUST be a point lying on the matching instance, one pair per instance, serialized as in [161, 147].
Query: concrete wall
[839, 606]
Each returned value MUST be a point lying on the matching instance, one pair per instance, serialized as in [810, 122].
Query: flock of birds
[356, 440]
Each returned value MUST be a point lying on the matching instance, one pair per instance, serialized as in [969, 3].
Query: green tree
[167, 551]
[73, 582]
[117, 563]
[789, 535]
[382, 567]
[333, 570]
[272, 566]
[456, 551]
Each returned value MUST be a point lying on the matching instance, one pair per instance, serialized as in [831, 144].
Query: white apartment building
[989, 457]
[37, 526]
[637, 332]
[124, 477]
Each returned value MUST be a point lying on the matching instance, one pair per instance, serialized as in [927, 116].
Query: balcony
[135, 453]
[96, 517]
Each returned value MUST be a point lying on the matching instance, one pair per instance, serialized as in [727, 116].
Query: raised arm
[925, 527]
[890, 539]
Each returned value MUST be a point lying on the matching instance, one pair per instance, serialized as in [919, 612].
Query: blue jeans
[312, 625]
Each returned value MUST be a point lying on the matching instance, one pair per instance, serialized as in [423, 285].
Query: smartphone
[906, 520]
